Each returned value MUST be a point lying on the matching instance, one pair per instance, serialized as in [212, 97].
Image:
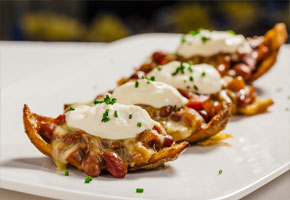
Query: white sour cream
[218, 42]
[89, 119]
[203, 78]
[153, 93]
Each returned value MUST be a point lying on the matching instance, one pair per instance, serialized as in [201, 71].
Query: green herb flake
[195, 87]
[191, 79]
[211, 30]
[220, 172]
[183, 39]
[196, 32]
[231, 32]
[113, 101]
[106, 117]
[159, 68]
[130, 116]
[184, 81]
[98, 101]
[116, 113]
[139, 190]
[66, 173]
[190, 63]
[139, 124]
[71, 108]
[203, 74]
[180, 68]
[152, 78]
[136, 84]
[204, 39]
[88, 179]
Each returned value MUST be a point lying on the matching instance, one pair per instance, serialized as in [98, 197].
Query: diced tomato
[159, 57]
[60, 119]
[197, 101]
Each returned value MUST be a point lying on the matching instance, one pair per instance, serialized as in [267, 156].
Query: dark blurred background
[105, 21]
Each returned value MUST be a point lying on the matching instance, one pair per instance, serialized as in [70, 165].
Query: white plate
[258, 152]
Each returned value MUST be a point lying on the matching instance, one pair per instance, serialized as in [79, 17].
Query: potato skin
[31, 123]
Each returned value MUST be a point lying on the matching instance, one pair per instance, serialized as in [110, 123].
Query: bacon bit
[204, 115]
[168, 141]
[60, 119]
[138, 74]
[243, 70]
[246, 96]
[197, 101]
[186, 93]
[46, 130]
[159, 57]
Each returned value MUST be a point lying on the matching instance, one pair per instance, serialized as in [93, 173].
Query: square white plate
[257, 153]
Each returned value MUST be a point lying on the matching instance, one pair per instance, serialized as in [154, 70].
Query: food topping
[100, 120]
[202, 78]
[161, 94]
[208, 43]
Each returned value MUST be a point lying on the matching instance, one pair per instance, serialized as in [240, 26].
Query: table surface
[60, 52]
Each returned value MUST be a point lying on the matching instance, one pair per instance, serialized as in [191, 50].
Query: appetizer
[233, 55]
[237, 60]
[106, 136]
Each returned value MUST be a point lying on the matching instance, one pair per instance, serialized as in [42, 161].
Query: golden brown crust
[258, 106]
[274, 39]
[32, 120]
[216, 124]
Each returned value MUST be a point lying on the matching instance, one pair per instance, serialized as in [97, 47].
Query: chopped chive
[116, 113]
[184, 81]
[107, 99]
[66, 173]
[148, 82]
[231, 32]
[190, 69]
[142, 77]
[195, 87]
[203, 74]
[139, 124]
[139, 190]
[106, 117]
[211, 30]
[130, 116]
[152, 78]
[220, 172]
[190, 63]
[204, 39]
[191, 78]
[136, 84]
[159, 68]
[183, 39]
[71, 108]
[98, 101]
[88, 179]
[194, 32]
[113, 101]
[180, 68]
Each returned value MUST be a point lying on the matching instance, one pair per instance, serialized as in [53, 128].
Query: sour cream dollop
[201, 78]
[89, 119]
[207, 43]
[153, 93]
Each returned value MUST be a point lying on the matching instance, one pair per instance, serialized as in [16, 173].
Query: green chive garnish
[116, 113]
[159, 68]
[139, 190]
[139, 124]
[204, 39]
[211, 30]
[113, 101]
[71, 108]
[183, 39]
[130, 116]
[98, 101]
[203, 74]
[88, 179]
[136, 84]
[66, 173]
[195, 87]
[106, 117]
[190, 63]
[180, 68]
[220, 172]
[191, 78]
[231, 32]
